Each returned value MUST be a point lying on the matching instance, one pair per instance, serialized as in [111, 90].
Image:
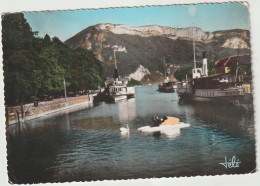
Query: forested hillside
[35, 67]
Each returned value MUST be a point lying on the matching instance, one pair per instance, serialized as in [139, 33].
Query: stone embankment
[39, 109]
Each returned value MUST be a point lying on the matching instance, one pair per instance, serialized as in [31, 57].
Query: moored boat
[225, 87]
[116, 88]
[166, 86]
[222, 87]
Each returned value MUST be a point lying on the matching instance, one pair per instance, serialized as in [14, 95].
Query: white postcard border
[43, 5]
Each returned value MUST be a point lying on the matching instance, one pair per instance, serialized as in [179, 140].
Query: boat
[169, 126]
[166, 86]
[116, 88]
[222, 87]
[165, 125]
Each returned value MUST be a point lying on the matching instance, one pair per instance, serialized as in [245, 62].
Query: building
[224, 65]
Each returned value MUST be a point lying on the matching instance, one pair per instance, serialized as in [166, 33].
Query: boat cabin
[201, 72]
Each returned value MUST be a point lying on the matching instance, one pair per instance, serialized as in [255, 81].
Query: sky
[208, 17]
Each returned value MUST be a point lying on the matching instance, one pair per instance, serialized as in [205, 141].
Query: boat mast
[115, 58]
[194, 51]
[115, 70]
[164, 67]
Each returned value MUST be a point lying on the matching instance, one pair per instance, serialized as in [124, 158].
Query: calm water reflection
[87, 145]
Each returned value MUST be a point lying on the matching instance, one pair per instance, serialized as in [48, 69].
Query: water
[87, 145]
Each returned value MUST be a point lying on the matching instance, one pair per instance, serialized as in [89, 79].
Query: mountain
[139, 73]
[147, 45]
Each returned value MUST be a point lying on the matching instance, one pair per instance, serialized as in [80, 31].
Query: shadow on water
[236, 120]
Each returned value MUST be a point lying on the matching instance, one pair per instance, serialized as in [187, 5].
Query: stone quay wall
[39, 108]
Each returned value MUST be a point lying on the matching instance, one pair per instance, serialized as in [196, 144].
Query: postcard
[123, 93]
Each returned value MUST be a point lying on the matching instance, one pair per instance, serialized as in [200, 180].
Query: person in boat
[157, 121]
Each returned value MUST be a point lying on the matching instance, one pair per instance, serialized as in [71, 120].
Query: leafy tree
[85, 71]
[181, 73]
[18, 61]
[18, 88]
[17, 34]
[56, 40]
[241, 68]
[133, 82]
[53, 73]
[34, 66]
[46, 40]
[198, 64]
[211, 68]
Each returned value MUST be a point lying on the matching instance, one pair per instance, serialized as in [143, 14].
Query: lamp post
[65, 91]
[237, 64]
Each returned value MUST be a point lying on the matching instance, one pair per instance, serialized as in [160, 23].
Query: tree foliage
[211, 68]
[133, 82]
[181, 73]
[35, 66]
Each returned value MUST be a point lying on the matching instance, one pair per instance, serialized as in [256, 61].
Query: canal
[87, 145]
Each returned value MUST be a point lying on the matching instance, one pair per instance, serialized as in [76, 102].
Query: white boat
[120, 98]
[116, 87]
[162, 128]
[117, 90]
[170, 126]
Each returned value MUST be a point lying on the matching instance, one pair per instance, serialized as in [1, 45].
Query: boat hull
[166, 89]
[120, 98]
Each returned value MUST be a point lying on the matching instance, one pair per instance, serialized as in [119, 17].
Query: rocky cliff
[147, 45]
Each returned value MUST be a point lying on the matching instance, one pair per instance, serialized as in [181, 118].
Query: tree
[85, 71]
[181, 73]
[211, 68]
[46, 40]
[18, 58]
[53, 72]
[133, 82]
[34, 66]
[17, 34]
[56, 40]
[17, 89]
